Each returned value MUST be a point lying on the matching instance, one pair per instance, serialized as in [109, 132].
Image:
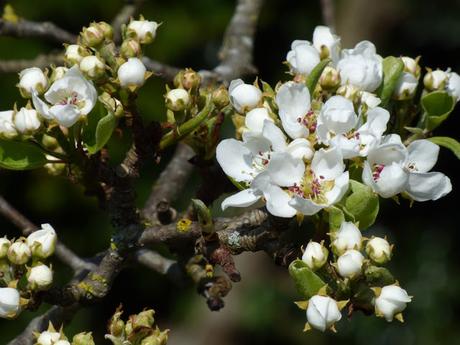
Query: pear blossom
[32, 80]
[19, 252]
[177, 99]
[4, 245]
[92, 66]
[7, 128]
[244, 97]
[411, 66]
[49, 337]
[42, 242]
[327, 44]
[453, 85]
[347, 237]
[302, 57]
[70, 98]
[74, 53]
[321, 185]
[322, 312]
[9, 302]
[27, 121]
[143, 30]
[315, 255]
[435, 80]
[132, 73]
[361, 67]
[40, 277]
[293, 100]
[350, 263]
[379, 250]
[391, 301]
[405, 87]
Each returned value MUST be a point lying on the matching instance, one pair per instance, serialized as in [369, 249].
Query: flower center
[261, 160]
[312, 187]
[70, 99]
[309, 120]
[376, 171]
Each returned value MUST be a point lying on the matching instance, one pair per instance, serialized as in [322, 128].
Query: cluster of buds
[353, 273]
[139, 329]
[25, 257]
[406, 86]
[53, 337]
[439, 80]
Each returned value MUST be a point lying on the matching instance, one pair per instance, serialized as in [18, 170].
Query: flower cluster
[25, 257]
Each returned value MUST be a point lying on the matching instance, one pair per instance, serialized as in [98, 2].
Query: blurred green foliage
[426, 237]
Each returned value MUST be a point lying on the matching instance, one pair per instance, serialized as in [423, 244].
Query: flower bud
[391, 300]
[411, 66]
[347, 237]
[4, 245]
[141, 320]
[405, 87]
[27, 121]
[106, 29]
[132, 73]
[191, 79]
[369, 99]
[83, 339]
[177, 99]
[315, 255]
[348, 91]
[435, 80]
[112, 104]
[7, 128]
[142, 30]
[74, 53]
[19, 252]
[48, 338]
[54, 169]
[220, 97]
[40, 277]
[9, 303]
[158, 338]
[42, 242]
[58, 73]
[244, 97]
[453, 85]
[32, 79]
[322, 312]
[62, 342]
[92, 36]
[130, 48]
[350, 263]
[92, 67]
[116, 325]
[330, 78]
[379, 250]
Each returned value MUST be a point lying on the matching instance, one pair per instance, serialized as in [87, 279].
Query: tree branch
[41, 61]
[327, 9]
[27, 28]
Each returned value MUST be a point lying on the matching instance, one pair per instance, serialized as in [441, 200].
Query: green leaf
[362, 204]
[336, 218]
[378, 276]
[437, 105]
[392, 70]
[449, 143]
[104, 130]
[19, 155]
[315, 74]
[306, 281]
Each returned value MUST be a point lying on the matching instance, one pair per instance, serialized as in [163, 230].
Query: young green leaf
[19, 155]
[449, 143]
[437, 105]
[315, 74]
[104, 130]
[307, 282]
[362, 203]
[392, 70]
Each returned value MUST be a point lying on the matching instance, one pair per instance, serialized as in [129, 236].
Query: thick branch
[27, 28]
[41, 61]
[163, 70]
[62, 252]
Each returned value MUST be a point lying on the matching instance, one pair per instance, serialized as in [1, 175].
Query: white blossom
[315, 255]
[361, 67]
[69, 99]
[27, 121]
[19, 252]
[42, 242]
[302, 57]
[405, 87]
[435, 80]
[411, 66]
[92, 66]
[391, 301]
[40, 277]
[254, 120]
[347, 237]
[143, 30]
[32, 80]
[379, 250]
[322, 312]
[9, 302]
[453, 85]
[7, 128]
[327, 44]
[177, 99]
[74, 53]
[48, 338]
[132, 73]
[244, 97]
[350, 263]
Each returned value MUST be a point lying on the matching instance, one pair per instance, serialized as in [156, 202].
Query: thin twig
[41, 61]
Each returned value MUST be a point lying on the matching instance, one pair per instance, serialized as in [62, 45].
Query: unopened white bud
[348, 91]
[379, 250]
[132, 73]
[74, 53]
[435, 80]
[369, 99]
[30, 80]
[244, 97]
[27, 121]
[405, 87]
[92, 66]
[350, 263]
[330, 78]
[42, 242]
[347, 237]
[92, 36]
[391, 301]
[315, 255]
[48, 338]
[177, 99]
[411, 66]
[7, 128]
[58, 73]
[322, 312]
[19, 252]
[142, 30]
[453, 85]
[4, 245]
[40, 277]
[9, 302]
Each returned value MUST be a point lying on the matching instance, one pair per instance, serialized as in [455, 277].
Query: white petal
[245, 198]
[340, 188]
[305, 206]
[328, 163]
[428, 186]
[278, 202]
[275, 135]
[254, 120]
[300, 148]
[377, 120]
[338, 115]
[423, 155]
[42, 108]
[66, 115]
[285, 170]
[393, 180]
[235, 159]
[387, 154]
[348, 146]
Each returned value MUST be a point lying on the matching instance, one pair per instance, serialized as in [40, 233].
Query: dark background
[259, 310]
